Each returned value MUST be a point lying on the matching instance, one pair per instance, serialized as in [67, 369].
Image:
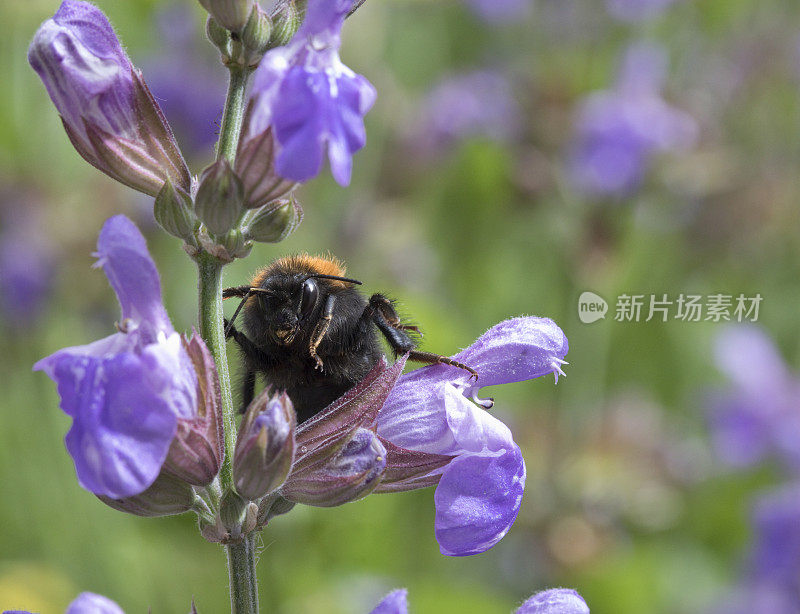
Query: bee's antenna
[245, 296]
[336, 277]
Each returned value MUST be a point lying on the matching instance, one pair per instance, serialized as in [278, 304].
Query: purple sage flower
[108, 112]
[637, 10]
[431, 410]
[554, 601]
[757, 416]
[619, 130]
[126, 392]
[501, 11]
[92, 603]
[475, 104]
[395, 602]
[311, 101]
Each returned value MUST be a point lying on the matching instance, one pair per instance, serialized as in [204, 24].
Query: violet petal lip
[395, 602]
[480, 490]
[125, 392]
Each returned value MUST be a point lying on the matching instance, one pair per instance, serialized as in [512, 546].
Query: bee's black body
[309, 332]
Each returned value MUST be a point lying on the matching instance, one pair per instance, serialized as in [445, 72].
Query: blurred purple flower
[92, 603]
[395, 602]
[552, 601]
[555, 601]
[476, 104]
[758, 414]
[313, 103]
[479, 491]
[107, 110]
[26, 266]
[637, 10]
[184, 77]
[125, 393]
[619, 130]
[501, 11]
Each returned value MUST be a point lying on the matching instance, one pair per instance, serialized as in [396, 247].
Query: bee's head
[291, 296]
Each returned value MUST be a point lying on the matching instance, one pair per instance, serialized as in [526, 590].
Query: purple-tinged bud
[275, 221]
[173, 212]
[352, 474]
[226, 248]
[219, 198]
[231, 14]
[108, 112]
[195, 454]
[255, 164]
[264, 446]
[271, 506]
[167, 496]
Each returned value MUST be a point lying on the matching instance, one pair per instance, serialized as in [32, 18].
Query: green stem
[242, 573]
[241, 556]
[233, 114]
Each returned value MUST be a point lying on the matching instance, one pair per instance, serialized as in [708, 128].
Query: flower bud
[107, 110]
[256, 33]
[264, 446]
[167, 496]
[219, 36]
[219, 198]
[350, 475]
[286, 19]
[173, 212]
[195, 454]
[255, 164]
[274, 222]
[231, 14]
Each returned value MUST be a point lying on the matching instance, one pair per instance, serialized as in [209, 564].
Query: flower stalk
[241, 555]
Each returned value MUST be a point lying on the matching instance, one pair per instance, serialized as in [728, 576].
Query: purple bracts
[314, 103]
[429, 410]
[126, 392]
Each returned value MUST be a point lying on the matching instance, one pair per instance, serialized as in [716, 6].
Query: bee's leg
[320, 330]
[385, 306]
[252, 355]
[402, 343]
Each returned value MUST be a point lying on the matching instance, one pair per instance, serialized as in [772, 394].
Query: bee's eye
[309, 298]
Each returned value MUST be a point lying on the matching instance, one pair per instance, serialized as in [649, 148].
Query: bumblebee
[310, 332]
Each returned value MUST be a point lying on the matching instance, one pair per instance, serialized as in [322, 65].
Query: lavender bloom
[758, 415]
[476, 104]
[125, 393]
[501, 11]
[480, 490]
[619, 130]
[92, 603]
[555, 601]
[637, 10]
[107, 110]
[312, 102]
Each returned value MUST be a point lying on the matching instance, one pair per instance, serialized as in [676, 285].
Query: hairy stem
[242, 573]
[233, 114]
[241, 556]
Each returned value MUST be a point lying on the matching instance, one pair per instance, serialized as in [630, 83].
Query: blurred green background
[625, 500]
